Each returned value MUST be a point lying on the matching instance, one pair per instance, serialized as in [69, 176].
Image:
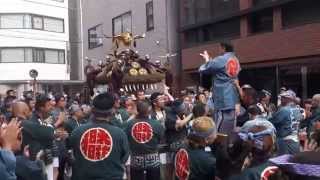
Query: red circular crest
[142, 132]
[181, 164]
[232, 67]
[266, 173]
[96, 144]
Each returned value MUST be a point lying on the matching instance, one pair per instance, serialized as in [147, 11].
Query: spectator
[39, 134]
[248, 98]
[10, 142]
[286, 120]
[140, 95]
[187, 100]
[21, 111]
[201, 98]
[11, 93]
[199, 110]
[75, 119]
[120, 115]
[59, 114]
[309, 122]
[158, 107]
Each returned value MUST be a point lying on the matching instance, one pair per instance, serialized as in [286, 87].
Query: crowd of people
[227, 132]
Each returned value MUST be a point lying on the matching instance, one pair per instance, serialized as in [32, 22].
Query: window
[300, 12]
[222, 30]
[9, 55]
[38, 55]
[149, 15]
[51, 56]
[121, 23]
[261, 21]
[54, 25]
[192, 36]
[12, 21]
[202, 10]
[61, 55]
[28, 21]
[48, 24]
[37, 22]
[261, 2]
[54, 56]
[95, 36]
[214, 32]
[29, 55]
[224, 7]
[189, 12]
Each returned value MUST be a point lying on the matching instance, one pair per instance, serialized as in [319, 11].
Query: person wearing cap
[286, 120]
[192, 161]
[225, 69]
[100, 148]
[39, 134]
[144, 136]
[282, 90]
[258, 140]
[75, 119]
[264, 97]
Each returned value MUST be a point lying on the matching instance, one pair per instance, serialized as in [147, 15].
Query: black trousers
[145, 174]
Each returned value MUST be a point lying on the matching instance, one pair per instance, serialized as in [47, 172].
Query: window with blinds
[12, 55]
[95, 35]
[32, 55]
[11, 21]
[28, 21]
[55, 25]
[149, 16]
[122, 23]
[38, 55]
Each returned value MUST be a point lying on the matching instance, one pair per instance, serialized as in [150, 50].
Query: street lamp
[34, 74]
